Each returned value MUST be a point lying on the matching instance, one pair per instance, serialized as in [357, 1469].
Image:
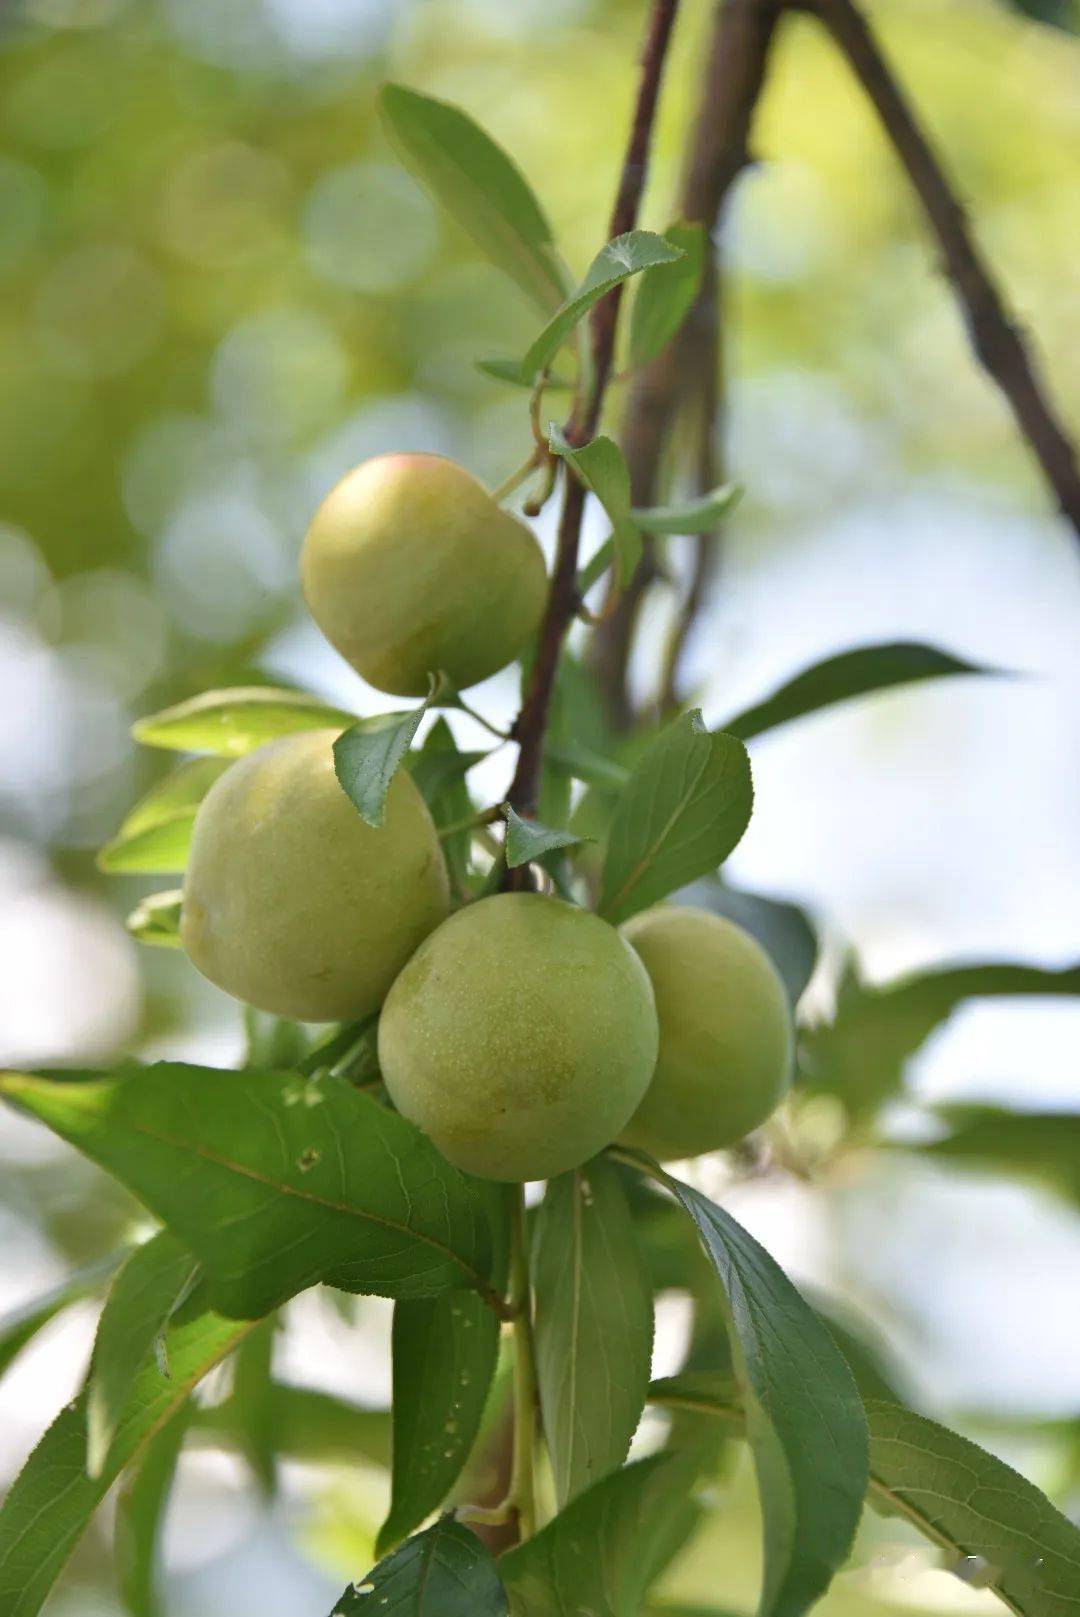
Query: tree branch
[998, 344]
[734, 78]
[562, 602]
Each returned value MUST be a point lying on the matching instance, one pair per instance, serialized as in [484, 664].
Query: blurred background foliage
[219, 291]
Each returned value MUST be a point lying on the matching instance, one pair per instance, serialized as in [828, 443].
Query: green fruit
[725, 1033]
[410, 568]
[291, 902]
[520, 1037]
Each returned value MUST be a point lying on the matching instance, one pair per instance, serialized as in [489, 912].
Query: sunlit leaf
[184, 788]
[275, 1183]
[594, 1325]
[627, 255]
[665, 297]
[478, 185]
[162, 847]
[232, 722]
[156, 919]
[445, 1572]
[681, 813]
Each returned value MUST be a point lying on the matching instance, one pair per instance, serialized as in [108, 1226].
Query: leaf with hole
[478, 185]
[594, 1325]
[230, 723]
[445, 1572]
[681, 813]
[273, 1182]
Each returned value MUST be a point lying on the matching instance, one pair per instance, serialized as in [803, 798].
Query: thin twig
[998, 343]
[734, 78]
[562, 601]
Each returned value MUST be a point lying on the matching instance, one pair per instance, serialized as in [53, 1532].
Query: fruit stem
[522, 1492]
[503, 490]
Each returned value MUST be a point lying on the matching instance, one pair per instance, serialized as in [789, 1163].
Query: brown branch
[998, 344]
[734, 77]
[562, 602]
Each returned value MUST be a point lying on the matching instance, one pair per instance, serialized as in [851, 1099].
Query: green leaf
[682, 812]
[140, 1510]
[445, 1572]
[156, 919]
[478, 185]
[784, 930]
[601, 467]
[665, 297]
[588, 766]
[308, 1425]
[155, 1279]
[602, 1553]
[185, 788]
[232, 722]
[1040, 1145]
[275, 1183]
[162, 848]
[849, 674]
[596, 566]
[968, 1501]
[861, 1055]
[253, 1405]
[594, 1325]
[51, 1501]
[510, 370]
[699, 515]
[444, 1351]
[19, 1327]
[804, 1418]
[528, 839]
[627, 255]
[366, 758]
[439, 769]
[1063, 14]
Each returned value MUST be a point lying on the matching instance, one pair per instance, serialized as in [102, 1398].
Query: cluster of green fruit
[522, 1034]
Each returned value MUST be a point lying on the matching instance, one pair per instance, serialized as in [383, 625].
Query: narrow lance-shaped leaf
[627, 255]
[444, 1351]
[681, 813]
[275, 1183]
[594, 1325]
[184, 788]
[604, 1551]
[53, 1498]
[156, 834]
[366, 757]
[156, 919]
[601, 467]
[439, 769]
[804, 1418]
[665, 297]
[232, 722]
[1041, 1145]
[309, 1425]
[478, 185]
[528, 839]
[445, 1572]
[19, 1327]
[699, 515]
[509, 370]
[154, 1280]
[140, 1511]
[850, 673]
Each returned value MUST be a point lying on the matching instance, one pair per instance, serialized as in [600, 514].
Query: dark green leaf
[140, 1511]
[366, 759]
[804, 1419]
[308, 1425]
[601, 467]
[627, 255]
[478, 185]
[965, 1499]
[162, 848]
[185, 788]
[439, 770]
[861, 1055]
[1063, 14]
[699, 515]
[444, 1352]
[154, 1280]
[1040, 1145]
[273, 1182]
[681, 813]
[665, 297]
[510, 370]
[21, 1326]
[602, 1553]
[528, 839]
[445, 1572]
[783, 930]
[233, 722]
[850, 673]
[594, 1325]
[53, 1498]
[156, 919]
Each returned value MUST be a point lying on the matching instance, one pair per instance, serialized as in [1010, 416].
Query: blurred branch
[734, 78]
[998, 343]
[531, 726]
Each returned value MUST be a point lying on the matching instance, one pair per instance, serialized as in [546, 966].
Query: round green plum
[291, 902]
[520, 1037]
[410, 568]
[725, 1033]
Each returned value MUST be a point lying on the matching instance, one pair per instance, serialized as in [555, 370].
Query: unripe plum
[409, 567]
[520, 1037]
[291, 902]
[725, 1033]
